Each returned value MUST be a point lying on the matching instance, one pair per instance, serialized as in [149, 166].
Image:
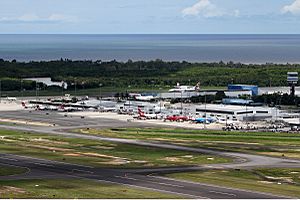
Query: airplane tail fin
[23, 104]
[141, 113]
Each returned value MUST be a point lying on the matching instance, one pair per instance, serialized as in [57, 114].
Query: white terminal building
[233, 112]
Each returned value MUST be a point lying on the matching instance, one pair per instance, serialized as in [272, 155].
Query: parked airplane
[185, 88]
[107, 109]
[144, 98]
[10, 99]
[51, 108]
[204, 120]
[63, 108]
[28, 106]
[227, 121]
[143, 115]
[176, 118]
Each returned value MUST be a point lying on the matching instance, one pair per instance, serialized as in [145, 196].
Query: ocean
[192, 48]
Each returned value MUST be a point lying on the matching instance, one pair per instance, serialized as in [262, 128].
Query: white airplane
[28, 106]
[185, 88]
[62, 108]
[107, 109]
[11, 98]
[224, 121]
[40, 107]
[142, 115]
[144, 98]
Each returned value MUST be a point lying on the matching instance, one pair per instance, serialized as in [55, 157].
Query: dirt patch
[48, 148]
[3, 138]
[280, 154]
[73, 154]
[118, 161]
[140, 161]
[12, 190]
[99, 155]
[282, 179]
[188, 156]
[265, 182]
[173, 140]
[104, 147]
[172, 159]
[14, 121]
[48, 141]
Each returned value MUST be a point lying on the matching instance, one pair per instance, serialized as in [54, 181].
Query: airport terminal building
[234, 112]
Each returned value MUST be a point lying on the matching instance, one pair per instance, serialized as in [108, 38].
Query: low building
[252, 88]
[234, 112]
[229, 101]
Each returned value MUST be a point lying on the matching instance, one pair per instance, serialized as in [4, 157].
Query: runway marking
[223, 193]
[168, 184]
[150, 188]
[4, 158]
[223, 187]
[79, 170]
[124, 177]
[43, 164]
[51, 161]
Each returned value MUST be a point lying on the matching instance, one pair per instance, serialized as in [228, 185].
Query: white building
[231, 112]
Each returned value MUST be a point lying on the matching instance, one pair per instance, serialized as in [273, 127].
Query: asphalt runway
[40, 168]
[134, 177]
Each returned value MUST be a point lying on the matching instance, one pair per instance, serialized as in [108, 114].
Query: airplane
[142, 115]
[28, 106]
[10, 99]
[107, 109]
[52, 108]
[176, 118]
[204, 120]
[224, 121]
[62, 108]
[39, 107]
[144, 98]
[185, 88]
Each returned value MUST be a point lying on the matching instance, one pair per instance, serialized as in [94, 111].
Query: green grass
[275, 181]
[97, 153]
[9, 170]
[274, 144]
[74, 189]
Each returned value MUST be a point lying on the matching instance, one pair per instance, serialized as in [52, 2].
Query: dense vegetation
[89, 74]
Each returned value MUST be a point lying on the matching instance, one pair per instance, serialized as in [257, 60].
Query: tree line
[150, 74]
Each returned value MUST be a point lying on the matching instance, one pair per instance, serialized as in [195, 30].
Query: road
[134, 177]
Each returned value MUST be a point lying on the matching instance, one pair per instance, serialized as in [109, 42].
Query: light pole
[0, 90]
[247, 116]
[75, 84]
[181, 104]
[62, 89]
[22, 89]
[36, 91]
[205, 110]
[100, 93]
[160, 100]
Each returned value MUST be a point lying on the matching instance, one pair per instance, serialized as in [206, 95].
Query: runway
[40, 168]
[132, 177]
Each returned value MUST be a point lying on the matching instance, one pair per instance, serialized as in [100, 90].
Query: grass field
[97, 153]
[273, 144]
[74, 189]
[9, 170]
[276, 181]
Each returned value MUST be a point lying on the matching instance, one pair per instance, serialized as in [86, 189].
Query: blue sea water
[193, 48]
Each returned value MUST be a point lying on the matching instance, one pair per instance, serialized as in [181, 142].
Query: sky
[150, 16]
